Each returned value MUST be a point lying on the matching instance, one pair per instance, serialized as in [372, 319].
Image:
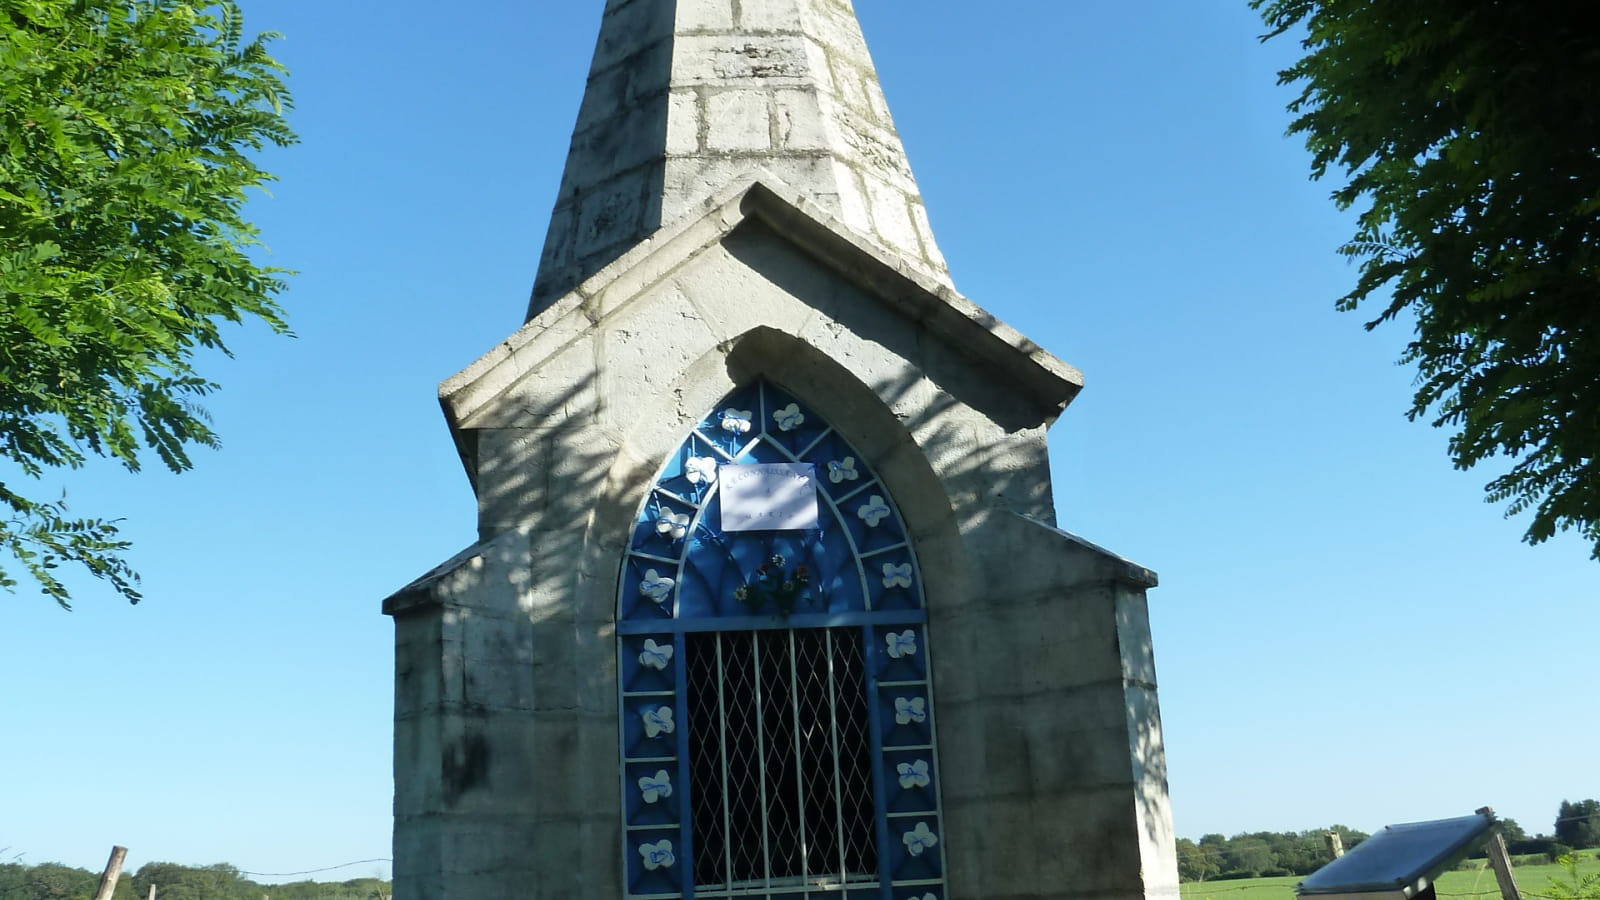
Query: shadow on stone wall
[511, 697]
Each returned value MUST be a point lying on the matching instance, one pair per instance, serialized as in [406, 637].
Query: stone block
[891, 216]
[683, 123]
[645, 347]
[499, 685]
[1133, 636]
[817, 64]
[704, 15]
[738, 120]
[930, 247]
[595, 656]
[799, 121]
[555, 761]
[873, 148]
[742, 60]
[416, 751]
[610, 215]
[770, 15]
[553, 670]
[849, 81]
[733, 286]
[690, 180]
[629, 28]
[835, 26]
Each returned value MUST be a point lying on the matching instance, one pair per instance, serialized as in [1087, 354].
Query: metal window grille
[775, 754]
[780, 762]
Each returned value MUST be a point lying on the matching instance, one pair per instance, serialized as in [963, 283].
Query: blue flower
[873, 511]
[700, 469]
[914, 774]
[897, 576]
[902, 644]
[659, 721]
[656, 586]
[655, 656]
[842, 470]
[658, 855]
[736, 420]
[906, 710]
[789, 418]
[654, 787]
[671, 524]
[919, 839]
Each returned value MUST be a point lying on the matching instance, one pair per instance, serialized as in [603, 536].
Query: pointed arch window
[777, 722]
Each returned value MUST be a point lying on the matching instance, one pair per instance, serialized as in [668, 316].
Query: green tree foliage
[1511, 831]
[126, 134]
[1197, 862]
[1259, 853]
[1578, 824]
[1248, 856]
[1470, 139]
[1576, 885]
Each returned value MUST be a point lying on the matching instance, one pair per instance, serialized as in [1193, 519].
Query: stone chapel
[768, 598]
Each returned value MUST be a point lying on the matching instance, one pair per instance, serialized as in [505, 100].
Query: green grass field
[1533, 881]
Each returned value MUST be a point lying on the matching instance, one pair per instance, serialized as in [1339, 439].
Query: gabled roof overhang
[1044, 383]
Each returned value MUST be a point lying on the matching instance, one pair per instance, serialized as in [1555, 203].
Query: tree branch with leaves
[1469, 141]
[128, 130]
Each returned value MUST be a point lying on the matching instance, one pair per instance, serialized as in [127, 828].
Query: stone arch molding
[853, 408]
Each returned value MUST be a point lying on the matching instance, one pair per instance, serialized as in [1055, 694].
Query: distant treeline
[1273, 853]
[1259, 853]
[51, 881]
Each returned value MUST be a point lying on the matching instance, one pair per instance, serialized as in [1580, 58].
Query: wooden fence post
[108, 880]
[1501, 860]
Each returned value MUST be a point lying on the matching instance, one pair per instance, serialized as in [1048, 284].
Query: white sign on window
[769, 497]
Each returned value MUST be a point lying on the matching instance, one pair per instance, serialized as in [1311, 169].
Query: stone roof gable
[687, 96]
[484, 395]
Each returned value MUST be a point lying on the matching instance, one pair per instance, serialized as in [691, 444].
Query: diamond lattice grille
[780, 761]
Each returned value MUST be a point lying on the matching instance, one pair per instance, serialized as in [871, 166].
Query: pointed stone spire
[687, 96]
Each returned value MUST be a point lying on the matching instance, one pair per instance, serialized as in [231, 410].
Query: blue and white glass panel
[768, 752]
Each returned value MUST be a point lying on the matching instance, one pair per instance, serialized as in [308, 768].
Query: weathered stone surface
[686, 96]
[774, 231]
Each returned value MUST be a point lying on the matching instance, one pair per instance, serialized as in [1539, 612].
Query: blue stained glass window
[777, 721]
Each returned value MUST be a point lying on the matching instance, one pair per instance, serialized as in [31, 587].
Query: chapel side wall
[491, 802]
[1054, 779]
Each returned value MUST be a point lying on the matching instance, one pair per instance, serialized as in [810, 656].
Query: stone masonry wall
[506, 749]
[686, 96]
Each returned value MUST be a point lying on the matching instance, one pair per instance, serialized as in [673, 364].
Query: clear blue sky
[1345, 632]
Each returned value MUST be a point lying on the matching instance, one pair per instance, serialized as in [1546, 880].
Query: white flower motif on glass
[658, 855]
[906, 710]
[673, 525]
[700, 469]
[914, 774]
[841, 470]
[654, 787]
[656, 586]
[902, 645]
[789, 418]
[919, 839]
[927, 896]
[897, 576]
[873, 511]
[659, 721]
[736, 420]
[655, 656]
